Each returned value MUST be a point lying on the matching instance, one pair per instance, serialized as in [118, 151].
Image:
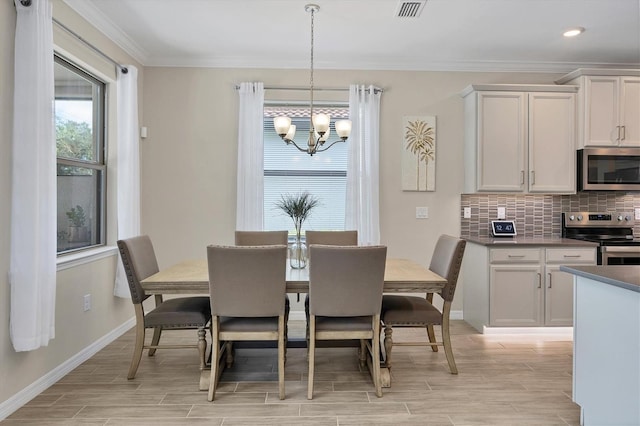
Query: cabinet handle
[539, 280]
[571, 255]
[521, 177]
[624, 133]
[618, 128]
[515, 255]
[533, 177]
[549, 276]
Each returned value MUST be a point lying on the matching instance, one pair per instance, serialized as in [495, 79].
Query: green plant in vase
[298, 208]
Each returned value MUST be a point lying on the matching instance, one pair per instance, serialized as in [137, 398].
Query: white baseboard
[549, 331]
[34, 389]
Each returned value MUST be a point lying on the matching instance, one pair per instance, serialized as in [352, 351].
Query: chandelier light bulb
[321, 123]
[343, 128]
[282, 124]
[572, 32]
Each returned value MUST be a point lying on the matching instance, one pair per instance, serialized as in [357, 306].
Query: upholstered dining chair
[332, 238]
[139, 261]
[416, 311]
[247, 287]
[327, 238]
[345, 295]
[263, 238]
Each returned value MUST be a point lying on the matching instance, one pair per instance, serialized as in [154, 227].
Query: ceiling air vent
[410, 9]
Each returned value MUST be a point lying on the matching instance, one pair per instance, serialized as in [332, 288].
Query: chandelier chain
[311, 79]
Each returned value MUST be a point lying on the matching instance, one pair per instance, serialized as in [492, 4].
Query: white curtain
[362, 204]
[32, 270]
[128, 167]
[250, 193]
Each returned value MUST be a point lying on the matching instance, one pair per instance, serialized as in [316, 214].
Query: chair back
[446, 261]
[332, 238]
[261, 238]
[346, 280]
[139, 261]
[247, 281]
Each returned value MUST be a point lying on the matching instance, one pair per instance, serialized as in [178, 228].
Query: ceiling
[461, 35]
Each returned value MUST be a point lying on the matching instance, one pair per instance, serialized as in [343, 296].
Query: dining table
[192, 277]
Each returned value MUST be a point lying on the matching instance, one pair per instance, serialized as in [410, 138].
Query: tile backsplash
[538, 216]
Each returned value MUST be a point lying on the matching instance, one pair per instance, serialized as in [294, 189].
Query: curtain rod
[319, 89]
[91, 46]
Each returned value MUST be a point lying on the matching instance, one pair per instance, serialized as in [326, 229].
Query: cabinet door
[515, 295]
[601, 111]
[552, 158]
[501, 141]
[558, 304]
[630, 111]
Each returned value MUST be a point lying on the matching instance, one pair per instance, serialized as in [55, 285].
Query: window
[79, 122]
[289, 171]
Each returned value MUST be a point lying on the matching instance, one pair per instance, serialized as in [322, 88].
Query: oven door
[620, 255]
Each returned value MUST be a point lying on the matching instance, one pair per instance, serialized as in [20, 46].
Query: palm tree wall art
[419, 153]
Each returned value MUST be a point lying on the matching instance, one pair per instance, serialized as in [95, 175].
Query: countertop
[524, 241]
[624, 276]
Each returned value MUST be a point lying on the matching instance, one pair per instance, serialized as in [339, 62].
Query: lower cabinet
[525, 286]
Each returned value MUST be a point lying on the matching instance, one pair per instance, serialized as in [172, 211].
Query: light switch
[467, 213]
[422, 212]
[501, 212]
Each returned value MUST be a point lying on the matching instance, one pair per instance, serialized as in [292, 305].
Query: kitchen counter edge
[523, 241]
[624, 276]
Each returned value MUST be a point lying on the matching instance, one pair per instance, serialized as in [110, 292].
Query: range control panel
[598, 219]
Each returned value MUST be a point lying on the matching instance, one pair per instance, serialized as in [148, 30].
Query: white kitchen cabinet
[520, 138]
[608, 107]
[520, 287]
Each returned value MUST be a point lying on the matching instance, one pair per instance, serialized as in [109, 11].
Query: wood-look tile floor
[502, 380]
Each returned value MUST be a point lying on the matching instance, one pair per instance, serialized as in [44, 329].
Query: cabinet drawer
[515, 256]
[576, 255]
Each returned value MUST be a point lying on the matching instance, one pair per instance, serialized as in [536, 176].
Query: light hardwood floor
[502, 380]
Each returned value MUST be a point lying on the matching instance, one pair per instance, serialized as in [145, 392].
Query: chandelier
[319, 130]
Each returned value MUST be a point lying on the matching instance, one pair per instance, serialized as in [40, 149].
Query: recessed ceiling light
[572, 32]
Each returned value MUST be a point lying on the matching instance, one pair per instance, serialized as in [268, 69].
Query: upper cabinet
[608, 107]
[520, 138]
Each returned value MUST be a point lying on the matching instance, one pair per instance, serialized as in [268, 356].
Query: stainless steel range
[612, 230]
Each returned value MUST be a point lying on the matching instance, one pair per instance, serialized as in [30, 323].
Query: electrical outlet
[637, 213]
[422, 212]
[87, 302]
[501, 213]
[467, 213]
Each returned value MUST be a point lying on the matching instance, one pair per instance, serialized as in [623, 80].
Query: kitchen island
[606, 346]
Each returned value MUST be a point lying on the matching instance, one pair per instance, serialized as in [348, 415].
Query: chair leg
[363, 353]
[282, 350]
[375, 353]
[388, 344]
[432, 337]
[215, 359]
[311, 354]
[155, 340]
[229, 352]
[448, 350]
[202, 347]
[137, 351]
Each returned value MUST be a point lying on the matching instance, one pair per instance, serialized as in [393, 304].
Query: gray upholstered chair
[332, 238]
[139, 261]
[263, 238]
[415, 311]
[345, 295]
[247, 287]
[327, 238]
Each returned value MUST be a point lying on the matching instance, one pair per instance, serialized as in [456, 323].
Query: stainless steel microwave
[609, 169]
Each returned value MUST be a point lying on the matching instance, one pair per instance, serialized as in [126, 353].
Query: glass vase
[298, 253]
